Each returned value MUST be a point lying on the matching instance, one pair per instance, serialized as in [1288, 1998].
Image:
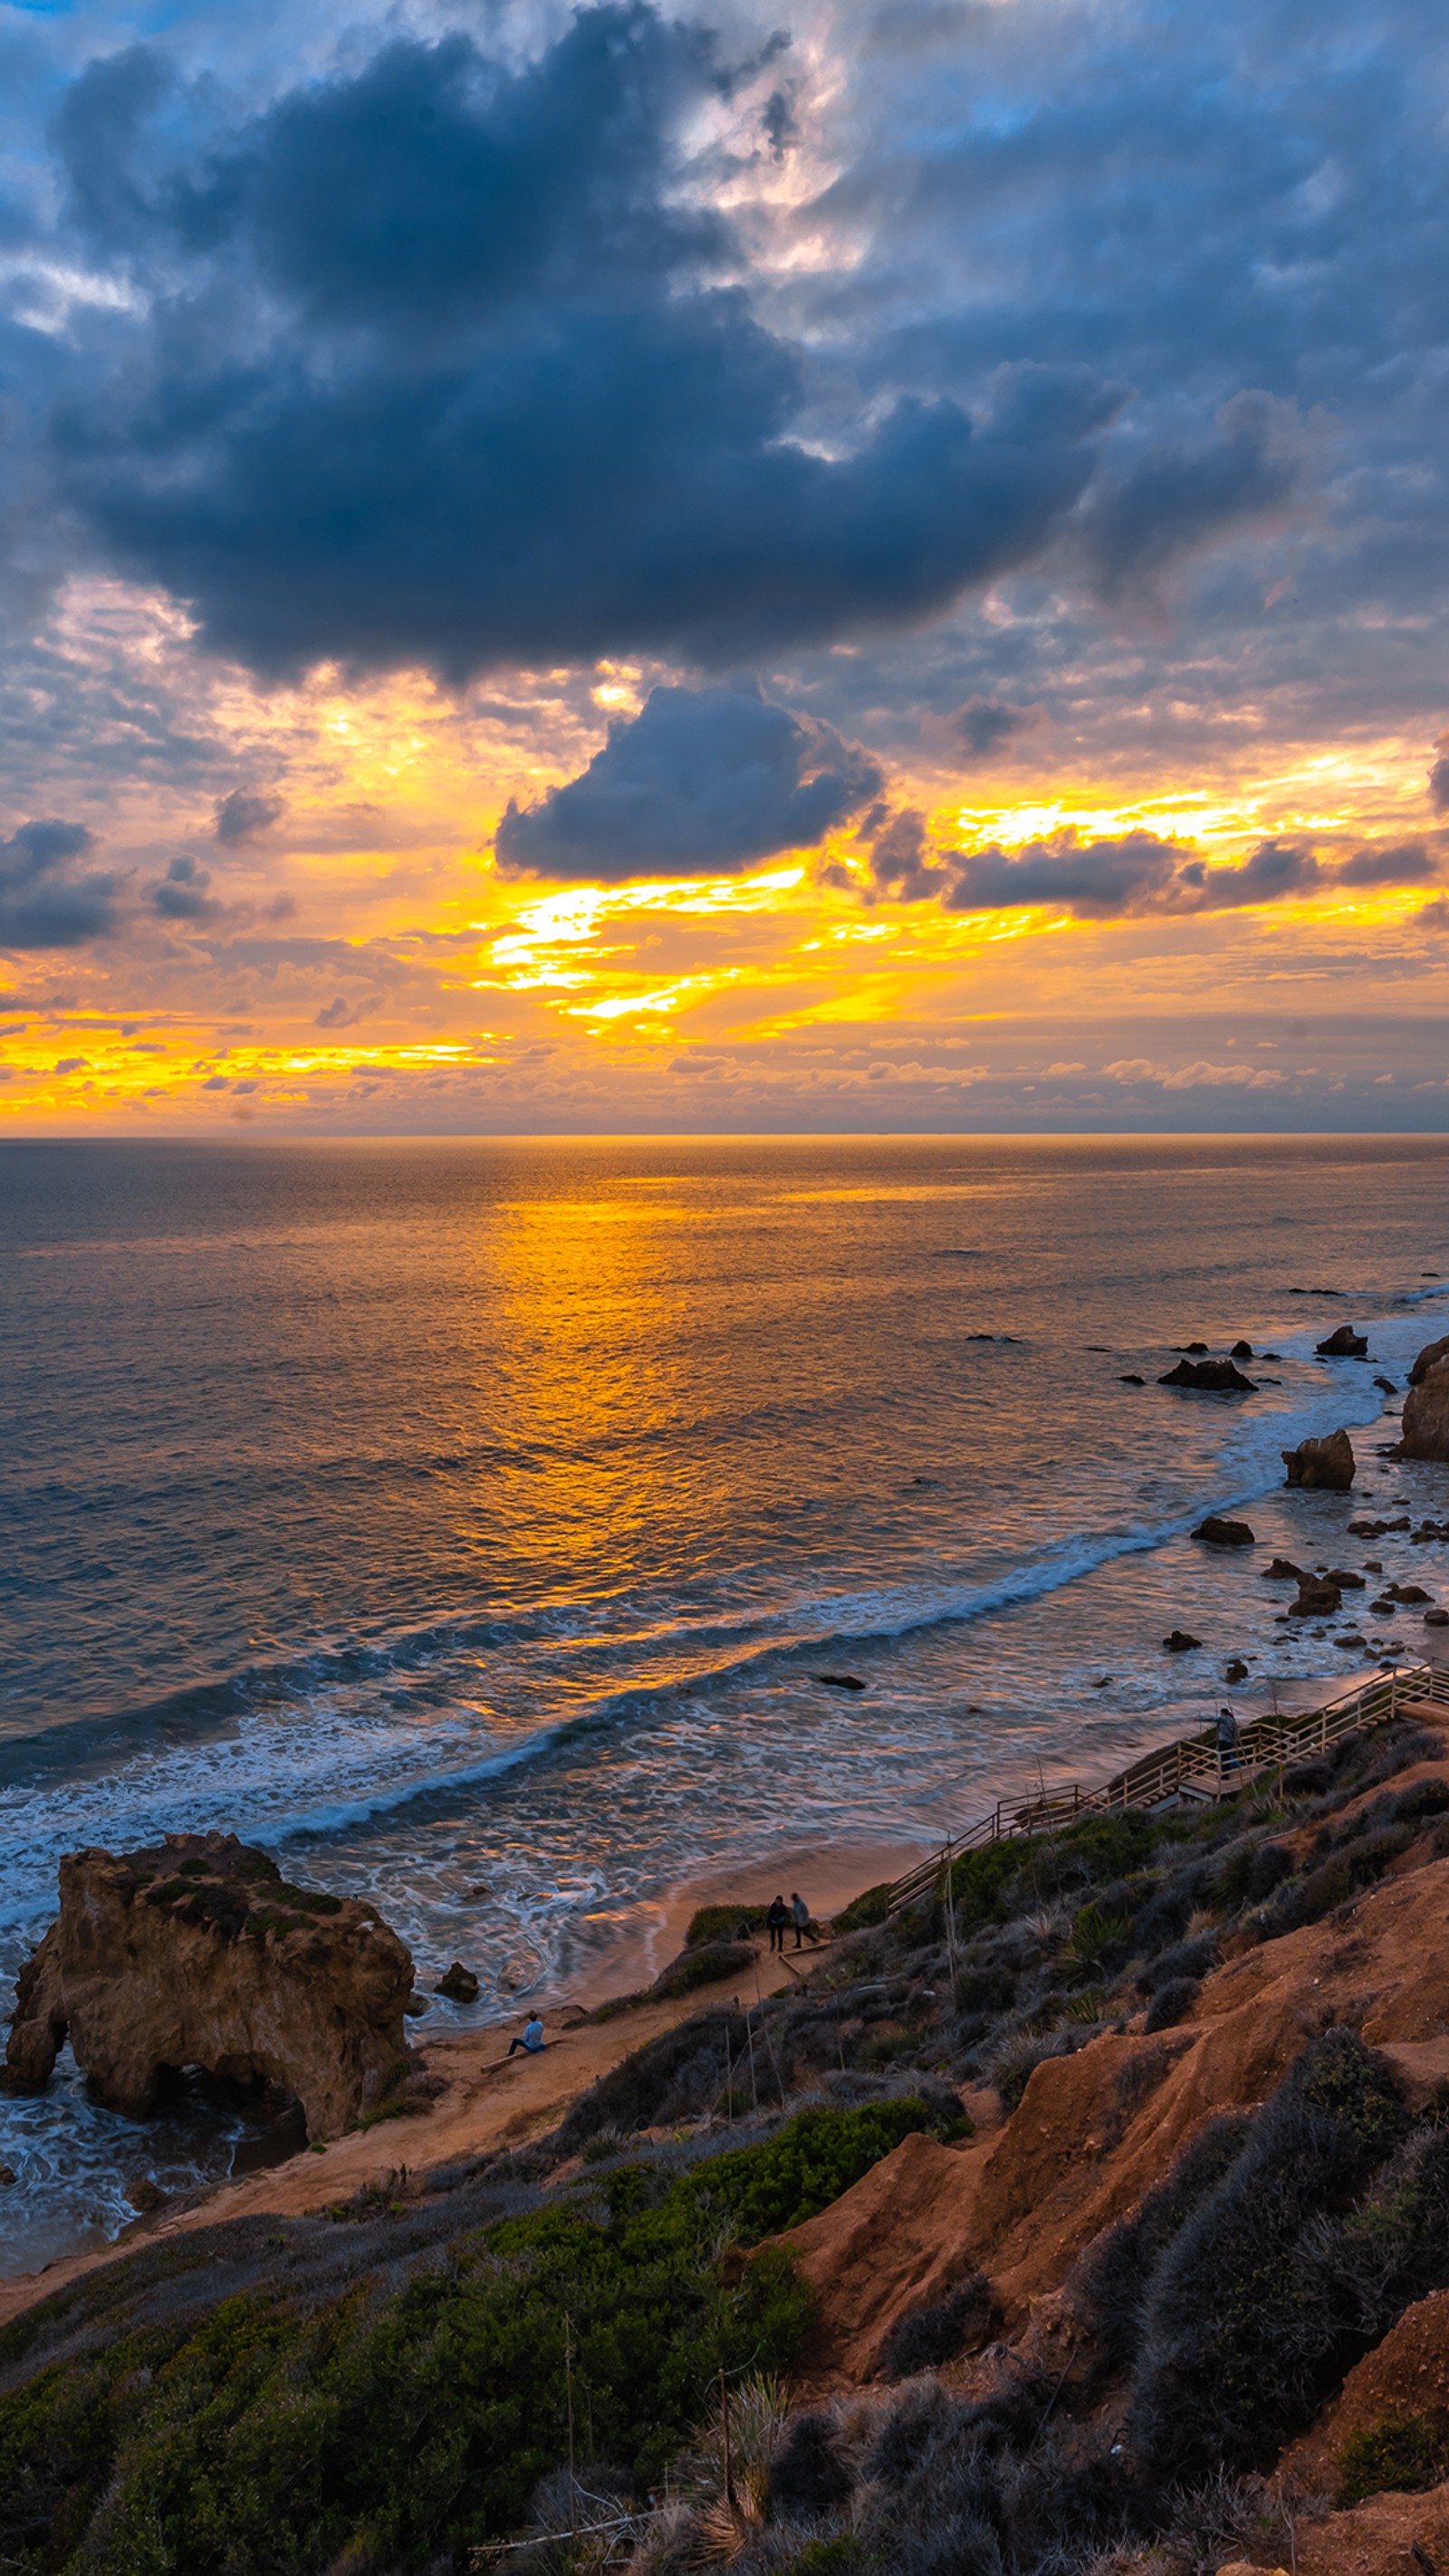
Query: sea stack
[198, 1953]
[1425, 1431]
[1324, 1465]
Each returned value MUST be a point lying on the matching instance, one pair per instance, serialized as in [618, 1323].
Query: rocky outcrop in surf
[1323, 1465]
[198, 1953]
[1426, 1412]
[1209, 1377]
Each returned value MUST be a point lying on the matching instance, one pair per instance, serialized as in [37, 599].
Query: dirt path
[486, 2104]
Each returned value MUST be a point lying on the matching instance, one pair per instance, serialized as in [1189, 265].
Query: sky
[880, 565]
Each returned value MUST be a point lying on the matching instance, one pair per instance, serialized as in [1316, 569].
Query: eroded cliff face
[198, 1953]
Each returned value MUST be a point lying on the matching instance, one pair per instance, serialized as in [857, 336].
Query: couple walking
[781, 1916]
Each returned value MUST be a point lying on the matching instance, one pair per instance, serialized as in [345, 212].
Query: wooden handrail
[1191, 1763]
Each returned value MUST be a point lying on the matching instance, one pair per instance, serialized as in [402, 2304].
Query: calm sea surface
[466, 1521]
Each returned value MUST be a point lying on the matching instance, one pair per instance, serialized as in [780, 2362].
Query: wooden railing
[1192, 1767]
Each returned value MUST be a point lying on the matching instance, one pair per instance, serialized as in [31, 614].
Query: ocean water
[468, 1521]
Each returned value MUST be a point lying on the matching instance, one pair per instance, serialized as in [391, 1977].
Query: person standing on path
[775, 1922]
[800, 1917]
[1227, 1740]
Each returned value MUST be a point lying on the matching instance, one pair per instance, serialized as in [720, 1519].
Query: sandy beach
[490, 2100]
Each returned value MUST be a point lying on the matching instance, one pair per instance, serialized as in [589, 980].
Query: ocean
[469, 1521]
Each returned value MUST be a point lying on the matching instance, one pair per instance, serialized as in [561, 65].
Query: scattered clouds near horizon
[1134, 874]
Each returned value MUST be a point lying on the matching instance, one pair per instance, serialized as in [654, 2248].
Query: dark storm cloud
[701, 778]
[40, 905]
[439, 369]
[182, 894]
[1175, 500]
[1127, 875]
[1400, 863]
[985, 722]
[240, 817]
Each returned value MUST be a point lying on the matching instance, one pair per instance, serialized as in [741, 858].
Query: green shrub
[761, 2191]
[267, 2439]
[866, 1910]
[1401, 2454]
[703, 1965]
[723, 1923]
[1244, 2327]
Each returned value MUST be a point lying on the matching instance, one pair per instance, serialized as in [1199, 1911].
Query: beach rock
[1131, 1380]
[1344, 1576]
[1241, 1351]
[196, 1952]
[1283, 1570]
[459, 1984]
[839, 1681]
[1386, 1386]
[1236, 1671]
[416, 2006]
[1196, 1346]
[1426, 1415]
[1316, 1600]
[1326, 1466]
[1436, 1618]
[146, 2195]
[1429, 1357]
[1217, 1532]
[1209, 1377]
[1345, 1344]
[1406, 1592]
[1270, 1355]
[1180, 1643]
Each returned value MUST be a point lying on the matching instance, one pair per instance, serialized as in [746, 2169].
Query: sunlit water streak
[467, 1521]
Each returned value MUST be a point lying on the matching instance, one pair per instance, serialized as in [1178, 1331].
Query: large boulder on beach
[1345, 1344]
[1326, 1466]
[198, 1953]
[1429, 1357]
[1426, 1416]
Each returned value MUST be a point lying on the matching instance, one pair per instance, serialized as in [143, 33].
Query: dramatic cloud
[1439, 777]
[41, 906]
[985, 722]
[701, 779]
[1174, 500]
[240, 817]
[438, 369]
[1400, 863]
[182, 894]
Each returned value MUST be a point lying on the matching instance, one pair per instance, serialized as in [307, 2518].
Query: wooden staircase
[1193, 1770]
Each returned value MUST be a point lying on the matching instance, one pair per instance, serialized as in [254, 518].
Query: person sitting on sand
[1227, 1740]
[775, 1922]
[532, 2040]
[800, 1916]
